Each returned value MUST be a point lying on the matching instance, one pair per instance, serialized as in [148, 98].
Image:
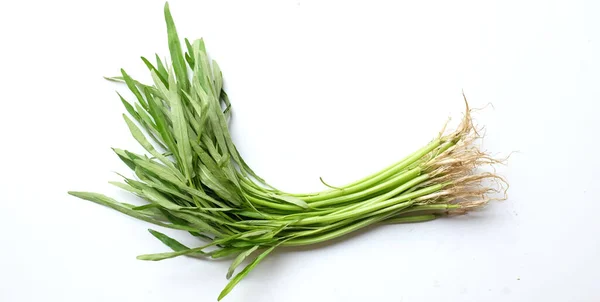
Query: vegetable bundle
[194, 179]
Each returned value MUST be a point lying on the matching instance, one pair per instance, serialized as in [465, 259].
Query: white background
[319, 88]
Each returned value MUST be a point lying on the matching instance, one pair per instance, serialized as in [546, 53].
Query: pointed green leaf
[245, 272]
[168, 241]
[180, 129]
[152, 68]
[139, 136]
[290, 199]
[189, 56]
[255, 233]
[125, 187]
[146, 206]
[161, 69]
[225, 99]
[157, 198]
[138, 84]
[175, 50]
[123, 208]
[218, 77]
[238, 260]
[129, 108]
[224, 252]
[168, 255]
[124, 158]
[162, 256]
[144, 116]
[162, 124]
[160, 171]
[189, 59]
[132, 86]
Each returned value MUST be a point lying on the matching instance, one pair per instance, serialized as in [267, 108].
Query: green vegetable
[195, 180]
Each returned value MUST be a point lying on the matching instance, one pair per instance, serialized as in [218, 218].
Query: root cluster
[467, 172]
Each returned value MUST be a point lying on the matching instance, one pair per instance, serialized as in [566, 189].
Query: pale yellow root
[458, 169]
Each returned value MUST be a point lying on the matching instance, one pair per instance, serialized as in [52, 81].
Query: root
[458, 169]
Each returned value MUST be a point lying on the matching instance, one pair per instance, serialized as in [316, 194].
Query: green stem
[372, 179]
[369, 208]
[430, 208]
[367, 191]
[348, 229]
[407, 219]
[403, 189]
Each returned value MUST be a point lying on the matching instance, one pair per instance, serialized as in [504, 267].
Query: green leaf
[200, 223]
[139, 136]
[207, 72]
[225, 100]
[203, 196]
[176, 53]
[218, 76]
[180, 130]
[160, 171]
[152, 68]
[138, 84]
[224, 252]
[245, 272]
[179, 221]
[126, 187]
[168, 255]
[129, 108]
[124, 158]
[189, 56]
[213, 112]
[145, 118]
[161, 70]
[124, 208]
[170, 242]
[199, 71]
[290, 199]
[114, 79]
[167, 175]
[239, 259]
[254, 234]
[162, 124]
[157, 198]
[200, 109]
[148, 124]
[146, 206]
[222, 189]
[224, 160]
[163, 256]
[216, 168]
[132, 86]
[167, 188]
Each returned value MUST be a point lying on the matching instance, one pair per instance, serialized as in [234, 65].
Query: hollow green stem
[369, 208]
[348, 229]
[430, 208]
[401, 189]
[391, 183]
[409, 219]
[374, 178]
